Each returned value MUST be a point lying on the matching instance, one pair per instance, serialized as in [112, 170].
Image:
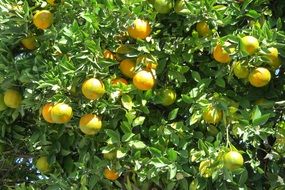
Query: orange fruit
[240, 70]
[140, 29]
[203, 28]
[29, 43]
[46, 112]
[272, 56]
[61, 113]
[249, 44]
[93, 89]
[12, 98]
[233, 160]
[127, 67]
[108, 55]
[42, 164]
[144, 80]
[43, 19]
[118, 81]
[212, 115]
[111, 174]
[221, 55]
[167, 96]
[259, 77]
[90, 124]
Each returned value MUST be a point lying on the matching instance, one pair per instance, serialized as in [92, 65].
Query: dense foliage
[204, 110]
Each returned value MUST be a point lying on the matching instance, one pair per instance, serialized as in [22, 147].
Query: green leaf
[243, 177]
[127, 137]
[127, 101]
[136, 144]
[173, 114]
[196, 76]
[261, 120]
[138, 121]
[256, 114]
[114, 136]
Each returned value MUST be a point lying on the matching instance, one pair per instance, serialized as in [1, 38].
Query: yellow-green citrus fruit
[249, 44]
[12, 98]
[61, 113]
[221, 55]
[163, 6]
[205, 169]
[110, 155]
[212, 115]
[144, 80]
[233, 160]
[43, 19]
[273, 57]
[90, 124]
[93, 89]
[240, 70]
[259, 77]
[2, 103]
[46, 112]
[167, 96]
[203, 28]
[140, 29]
[42, 164]
[29, 42]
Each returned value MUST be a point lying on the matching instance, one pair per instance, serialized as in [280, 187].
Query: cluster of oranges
[257, 76]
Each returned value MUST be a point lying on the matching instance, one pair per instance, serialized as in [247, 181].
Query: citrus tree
[135, 94]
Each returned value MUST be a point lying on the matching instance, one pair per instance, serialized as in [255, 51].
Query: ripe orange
[249, 44]
[93, 89]
[108, 54]
[212, 115]
[240, 70]
[110, 155]
[118, 81]
[233, 160]
[167, 96]
[205, 169]
[163, 6]
[272, 56]
[140, 29]
[12, 98]
[29, 42]
[128, 67]
[46, 112]
[259, 77]
[42, 164]
[144, 80]
[203, 28]
[111, 174]
[90, 124]
[61, 113]
[2, 103]
[221, 55]
[43, 19]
